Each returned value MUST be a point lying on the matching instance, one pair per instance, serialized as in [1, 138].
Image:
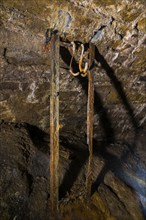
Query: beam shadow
[113, 163]
[109, 136]
[79, 158]
[71, 175]
[118, 86]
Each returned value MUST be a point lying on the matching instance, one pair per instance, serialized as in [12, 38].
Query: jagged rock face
[117, 28]
[24, 182]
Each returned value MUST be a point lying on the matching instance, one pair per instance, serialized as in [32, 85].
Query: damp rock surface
[24, 182]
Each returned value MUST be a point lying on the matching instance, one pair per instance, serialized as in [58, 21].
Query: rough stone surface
[24, 182]
[118, 29]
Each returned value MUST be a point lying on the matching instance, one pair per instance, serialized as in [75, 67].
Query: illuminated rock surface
[118, 29]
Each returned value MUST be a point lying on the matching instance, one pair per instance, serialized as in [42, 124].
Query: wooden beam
[90, 120]
[54, 122]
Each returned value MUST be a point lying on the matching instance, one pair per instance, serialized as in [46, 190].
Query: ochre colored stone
[142, 25]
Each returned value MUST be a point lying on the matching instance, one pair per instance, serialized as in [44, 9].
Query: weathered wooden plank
[90, 118]
[54, 122]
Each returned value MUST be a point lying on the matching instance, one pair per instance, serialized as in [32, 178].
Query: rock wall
[24, 182]
[117, 28]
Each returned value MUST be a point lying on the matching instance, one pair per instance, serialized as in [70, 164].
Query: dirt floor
[118, 190]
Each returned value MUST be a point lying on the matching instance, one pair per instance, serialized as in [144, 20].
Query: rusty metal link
[82, 70]
[73, 52]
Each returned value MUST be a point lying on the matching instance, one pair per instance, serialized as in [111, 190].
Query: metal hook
[84, 73]
[73, 52]
[83, 70]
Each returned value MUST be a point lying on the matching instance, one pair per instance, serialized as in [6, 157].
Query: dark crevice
[72, 174]
[30, 181]
[97, 33]
[5, 56]
[38, 138]
[99, 179]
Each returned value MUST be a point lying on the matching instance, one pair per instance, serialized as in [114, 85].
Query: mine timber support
[90, 118]
[54, 122]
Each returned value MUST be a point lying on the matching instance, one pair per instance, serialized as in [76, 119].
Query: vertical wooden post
[54, 122]
[90, 118]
